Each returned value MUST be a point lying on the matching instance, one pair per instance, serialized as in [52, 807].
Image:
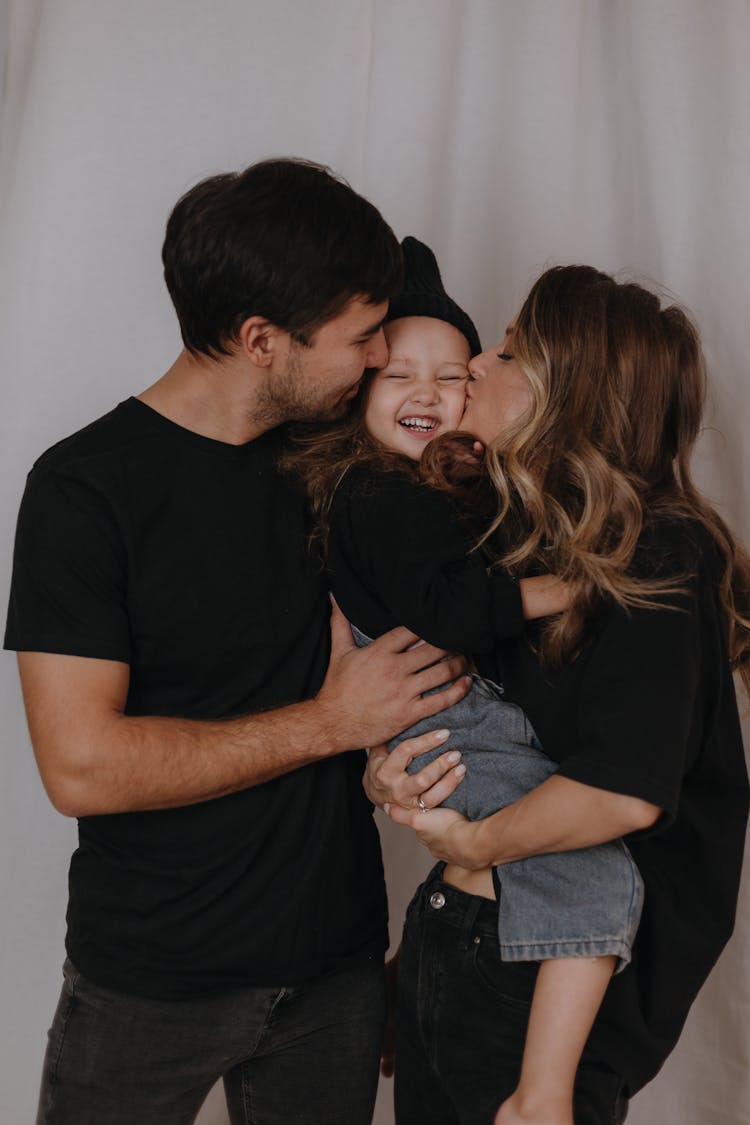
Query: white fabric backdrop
[507, 134]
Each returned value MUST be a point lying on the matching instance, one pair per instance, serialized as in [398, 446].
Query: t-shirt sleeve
[636, 708]
[410, 549]
[69, 586]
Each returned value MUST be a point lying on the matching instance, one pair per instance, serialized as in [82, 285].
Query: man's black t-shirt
[186, 558]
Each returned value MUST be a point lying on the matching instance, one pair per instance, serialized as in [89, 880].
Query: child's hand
[453, 461]
[468, 457]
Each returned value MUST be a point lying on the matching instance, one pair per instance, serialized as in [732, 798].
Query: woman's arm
[559, 816]
[636, 732]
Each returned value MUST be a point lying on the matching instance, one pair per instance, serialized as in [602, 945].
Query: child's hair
[617, 391]
[320, 455]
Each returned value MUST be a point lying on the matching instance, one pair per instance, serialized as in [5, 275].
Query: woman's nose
[478, 366]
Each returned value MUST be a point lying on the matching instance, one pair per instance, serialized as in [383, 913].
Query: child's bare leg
[568, 994]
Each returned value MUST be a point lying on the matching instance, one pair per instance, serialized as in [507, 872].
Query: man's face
[321, 378]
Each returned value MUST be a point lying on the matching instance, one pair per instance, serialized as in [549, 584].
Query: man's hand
[371, 694]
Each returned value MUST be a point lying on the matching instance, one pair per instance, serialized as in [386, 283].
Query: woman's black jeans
[462, 1016]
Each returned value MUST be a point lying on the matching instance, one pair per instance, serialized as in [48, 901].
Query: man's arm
[94, 759]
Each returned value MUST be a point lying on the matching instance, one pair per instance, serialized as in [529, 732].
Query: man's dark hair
[285, 239]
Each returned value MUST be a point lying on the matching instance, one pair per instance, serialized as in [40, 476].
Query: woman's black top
[648, 709]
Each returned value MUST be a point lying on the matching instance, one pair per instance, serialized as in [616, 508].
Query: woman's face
[497, 394]
[421, 391]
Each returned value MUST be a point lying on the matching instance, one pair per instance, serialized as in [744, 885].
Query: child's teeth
[419, 424]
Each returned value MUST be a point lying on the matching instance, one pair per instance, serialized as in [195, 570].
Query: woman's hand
[446, 833]
[387, 782]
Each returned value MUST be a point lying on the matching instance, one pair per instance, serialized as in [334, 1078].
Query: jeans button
[437, 900]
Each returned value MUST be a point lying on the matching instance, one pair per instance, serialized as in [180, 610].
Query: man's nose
[377, 353]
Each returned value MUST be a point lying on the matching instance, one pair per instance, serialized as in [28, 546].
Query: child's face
[421, 391]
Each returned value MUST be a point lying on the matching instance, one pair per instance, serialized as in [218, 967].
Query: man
[227, 911]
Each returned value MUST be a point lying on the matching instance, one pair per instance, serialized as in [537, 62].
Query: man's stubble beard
[291, 399]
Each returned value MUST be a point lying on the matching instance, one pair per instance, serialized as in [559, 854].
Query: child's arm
[543, 596]
[457, 464]
[400, 554]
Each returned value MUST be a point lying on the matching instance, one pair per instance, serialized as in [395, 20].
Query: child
[399, 553]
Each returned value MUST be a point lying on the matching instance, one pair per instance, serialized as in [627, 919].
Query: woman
[589, 411]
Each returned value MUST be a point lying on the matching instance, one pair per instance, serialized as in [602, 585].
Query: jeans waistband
[470, 913]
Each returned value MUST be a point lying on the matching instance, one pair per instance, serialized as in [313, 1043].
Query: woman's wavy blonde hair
[617, 392]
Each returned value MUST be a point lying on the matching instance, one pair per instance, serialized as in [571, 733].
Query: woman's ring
[422, 805]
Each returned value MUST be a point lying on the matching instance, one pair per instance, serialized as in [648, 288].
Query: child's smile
[420, 393]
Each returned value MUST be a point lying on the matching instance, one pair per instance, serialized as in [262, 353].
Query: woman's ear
[260, 340]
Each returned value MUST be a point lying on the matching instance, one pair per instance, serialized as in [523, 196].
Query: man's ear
[260, 340]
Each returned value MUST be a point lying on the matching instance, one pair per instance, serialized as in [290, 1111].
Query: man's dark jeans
[303, 1054]
[462, 1016]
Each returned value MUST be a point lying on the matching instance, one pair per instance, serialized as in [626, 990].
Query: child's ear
[260, 340]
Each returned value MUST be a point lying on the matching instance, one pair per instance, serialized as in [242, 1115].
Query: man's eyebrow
[371, 331]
